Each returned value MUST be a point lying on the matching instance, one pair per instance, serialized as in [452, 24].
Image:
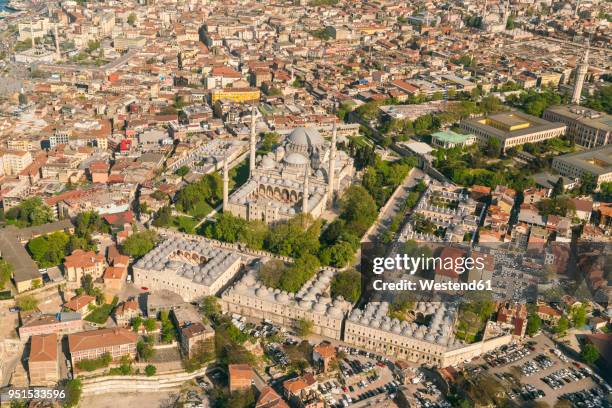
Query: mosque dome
[305, 137]
[267, 163]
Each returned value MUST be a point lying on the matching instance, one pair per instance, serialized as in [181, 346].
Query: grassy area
[361, 140]
[100, 314]
[201, 210]
[239, 174]
[184, 224]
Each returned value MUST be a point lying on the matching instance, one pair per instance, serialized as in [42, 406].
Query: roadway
[393, 205]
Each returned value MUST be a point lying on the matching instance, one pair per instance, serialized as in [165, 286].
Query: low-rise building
[251, 298]
[195, 335]
[160, 300]
[268, 398]
[240, 377]
[81, 303]
[323, 354]
[238, 95]
[191, 269]
[43, 367]
[114, 277]
[587, 127]
[60, 323]
[433, 343]
[448, 139]
[81, 263]
[596, 162]
[512, 129]
[125, 312]
[93, 344]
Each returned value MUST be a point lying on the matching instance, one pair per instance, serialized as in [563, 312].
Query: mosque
[302, 175]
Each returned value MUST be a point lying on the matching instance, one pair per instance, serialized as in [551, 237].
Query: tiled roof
[43, 348]
[89, 340]
[79, 302]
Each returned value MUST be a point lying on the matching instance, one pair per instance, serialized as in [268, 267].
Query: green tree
[145, 350]
[303, 327]
[491, 104]
[210, 307]
[150, 325]
[299, 273]
[30, 212]
[558, 187]
[590, 353]
[347, 284]
[534, 323]
[136, 323]
[602, 99]
[560, 205]
[131, 19]
[358, 209]
[208, 189]
[493, 147]
[270, 273]
[150, 370]
[578, 314]
[139, 243]
[74, 389]
[269, 140]
[587, 184]
[562, 326]
[338, 255]
[49, 250]
[182, 171]
[295, 237]
[163, 218]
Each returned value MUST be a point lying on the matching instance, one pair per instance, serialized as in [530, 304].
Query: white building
[249, 297]
[192, 269]
[433, 343]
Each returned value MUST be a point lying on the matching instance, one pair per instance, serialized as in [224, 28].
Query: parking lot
[542, 371]
[364, 378]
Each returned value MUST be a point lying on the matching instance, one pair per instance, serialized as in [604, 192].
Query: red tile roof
[240, 371]
[79, 302]
[449, 253]
[94, 339]
[83, 259]
[43, 348]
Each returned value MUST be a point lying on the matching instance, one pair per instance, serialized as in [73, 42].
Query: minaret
[305, 194]
[332, 164]
[484, 12]
[225, 184]
[57, 46]
[506, 14]
[576, 10]
[32, 33]
[581, 71]
[253, 143]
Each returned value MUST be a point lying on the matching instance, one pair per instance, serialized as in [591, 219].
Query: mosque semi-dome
[296, 159]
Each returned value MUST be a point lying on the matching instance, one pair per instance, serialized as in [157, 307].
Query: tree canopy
[347, 284]
[30, 212]
[139, 243]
